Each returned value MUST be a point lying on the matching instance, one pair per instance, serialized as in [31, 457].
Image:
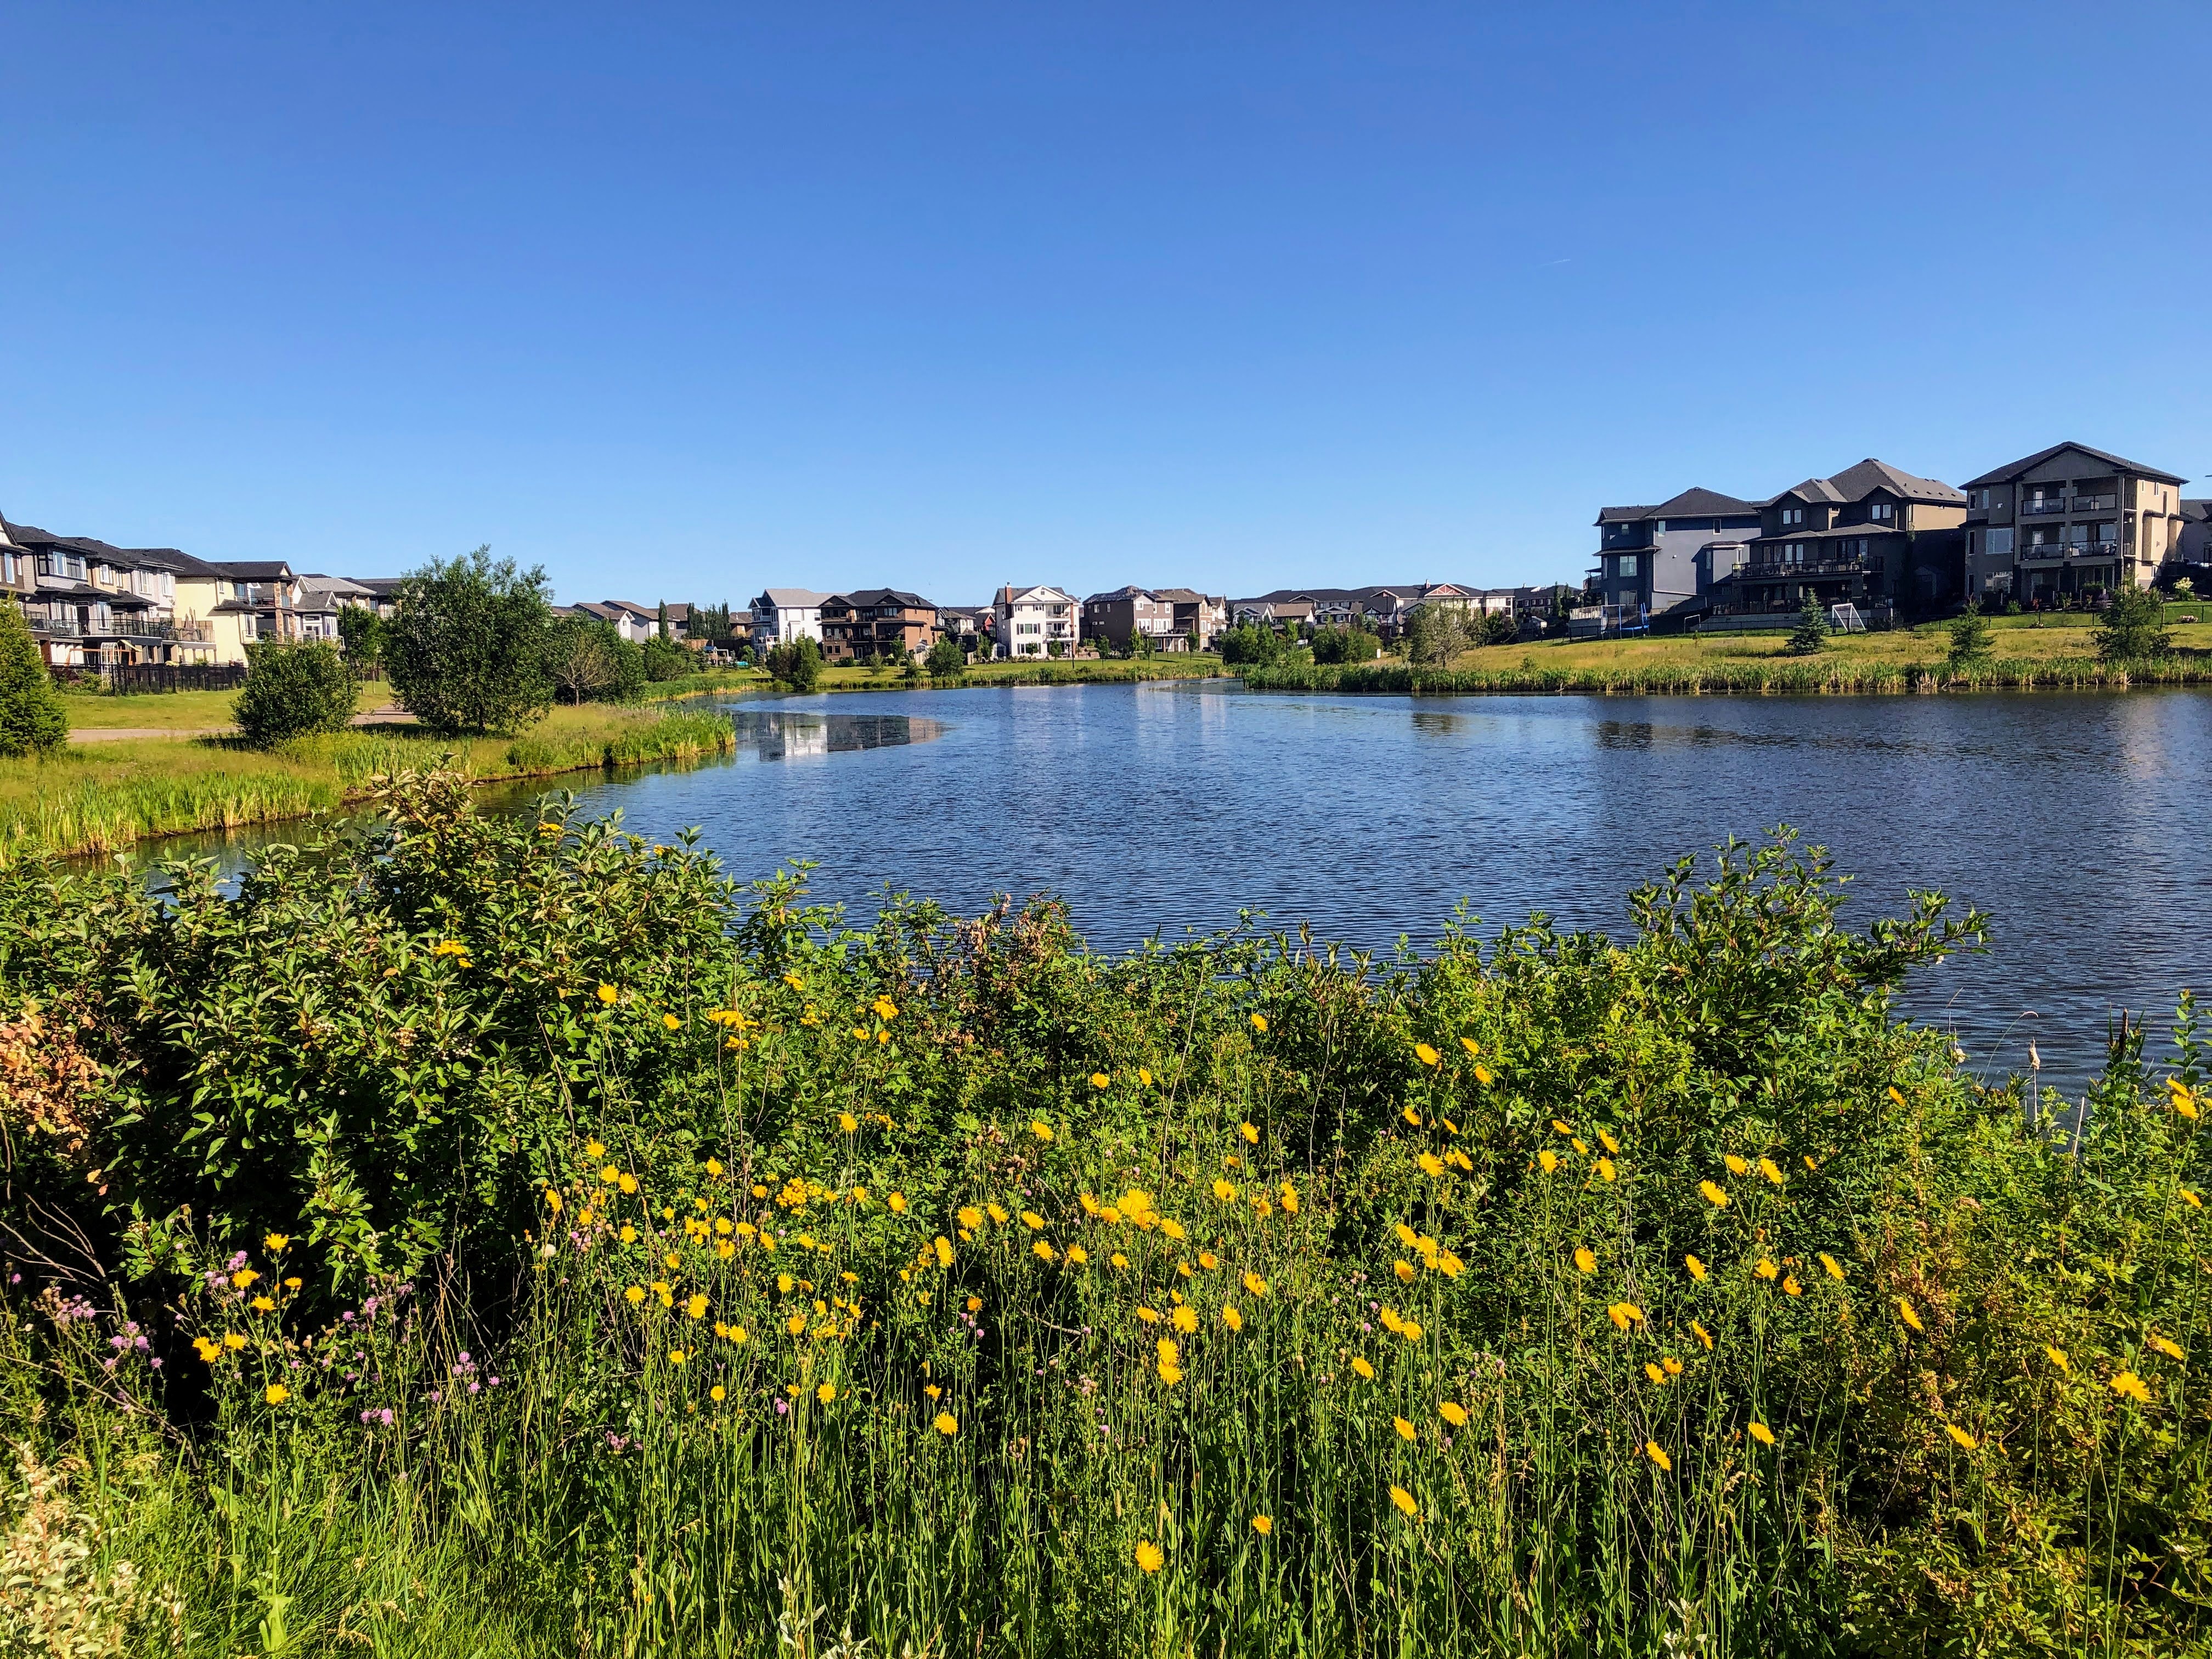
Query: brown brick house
[877, 622]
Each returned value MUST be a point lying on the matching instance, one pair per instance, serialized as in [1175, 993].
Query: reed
[1773, 675]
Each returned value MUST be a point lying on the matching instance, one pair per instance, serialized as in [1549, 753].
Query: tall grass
[946, 1289]
[1767, 675]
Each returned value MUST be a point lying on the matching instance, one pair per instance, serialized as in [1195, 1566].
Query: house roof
[254, 570]
[1129, 591]
[1856, 484]
[881, 596]
[2196, 511]
[384, 587]
[1189, 596]
[1692, 503]
[2029, 462]
[1837, 532]
[1040, 593]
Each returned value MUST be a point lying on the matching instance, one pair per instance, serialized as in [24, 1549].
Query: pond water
[2074, 820]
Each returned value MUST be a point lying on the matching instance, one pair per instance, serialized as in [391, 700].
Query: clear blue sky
[684, 301]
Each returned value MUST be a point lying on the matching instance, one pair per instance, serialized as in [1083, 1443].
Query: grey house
[1662, 561]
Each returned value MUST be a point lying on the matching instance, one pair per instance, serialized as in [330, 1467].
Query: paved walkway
[388, 715]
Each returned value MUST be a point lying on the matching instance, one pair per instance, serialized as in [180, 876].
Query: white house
[635, 622]
[1028, 621]
[783, 615]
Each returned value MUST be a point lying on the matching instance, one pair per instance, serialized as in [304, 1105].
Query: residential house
[1280, 609]
[383, 592]
[970, 624]
[875, 623]
[635, 622]
[1662, 561]
[781, 615]
[1029, 621]
[1198, 617]
[18, 567]
[1843, 540]
[2192, 548]
[2070, 520]
[1130, 613]
[321, 598]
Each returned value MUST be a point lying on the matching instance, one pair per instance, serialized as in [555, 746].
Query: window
[1978, 500]
[1881, 512]
[2000, 542]
[1793, 515]
[1628, 564]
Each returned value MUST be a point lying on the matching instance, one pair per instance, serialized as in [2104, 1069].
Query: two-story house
[1198, 617]
[2070, 520]
[1115, 618]
[874, 624]
[1844, 540]
[18, 566]
[1034, 621]
[783, 615]
[1662, 561]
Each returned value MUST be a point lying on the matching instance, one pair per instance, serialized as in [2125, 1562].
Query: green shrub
[294, 688]
[1971, 637]
[589, 661]
[466, 648]
[2134, 627]
[32, 719]
[798, 664]
[664, 659]
[1810, 636]
[946, 660]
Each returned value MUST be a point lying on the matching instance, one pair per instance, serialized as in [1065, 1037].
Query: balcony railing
[2096, 503]
[2044, 508]
[1782, 572]
[2054, 552]
[2051, 504]
[61, 631]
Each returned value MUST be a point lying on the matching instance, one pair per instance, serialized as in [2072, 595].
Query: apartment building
[1662, 561]
[874, 624]
[1126, 613]
[2069, 521]
[1029, 621]
[1843, 540]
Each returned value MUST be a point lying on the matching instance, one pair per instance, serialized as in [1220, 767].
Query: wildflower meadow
[491, 1235]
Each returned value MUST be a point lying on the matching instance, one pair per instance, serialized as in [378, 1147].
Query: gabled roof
[384, 587]
[1695, 503]
[2196, 511]
[792, 598]
[882, 596]
[1129, 591]
[254, 570]
[2028, 464]
[1189, 596]
[1042, 592]
[1856, 484]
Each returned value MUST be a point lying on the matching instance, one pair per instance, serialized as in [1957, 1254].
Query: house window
[1980, 500]
[1628, 564]
[1793, 515]
[2000, 541]
[1881, 511]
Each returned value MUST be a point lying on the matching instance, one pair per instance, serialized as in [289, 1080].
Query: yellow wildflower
[1655, 1373]
[1262, 1525]
[1405, 1430]
[1651, 1450]
[1547, 1160]
[1431, 1165]
[1289, 1199]
[1150, 1558]
[2133, 1387]
[1230, 1317]
[1830, 1265]
[232, 1339]
[1403, 1269]
[848, 1123]
[2167, 1346]
[1150, 1316]
[1411, 1116]
[1904, 1312]
[2058, 1356]
[1366, 1371]
[1099, 1079]
[1041, 1130]
[1766, 1269]
[1735, 1165]
[943, 1249]
[276, 1394]
[594, 1149]
[1714, 1196]
[826, 1393]
[1586, 1259]
[1077, 1255]
[696, 1307]
[608, 994]
[717, 1393]
[1482, 1075]
[1453, 1413]
[262, 1304]
[276, 1244]
[1605, 1170]
[671, 1021]
[897, 1201]
[1185, 1319]
[1473, 1048]
[244, 1277]
[1256, 1285]
[1697, 1269]
[1404, 1500]
[1426, 1054]
[1625, 1314]
[1608, 1143]
[946, 1423]
[1699, 1331]
[1250, 1133]
[1761, 1433]
[634, 1295]
[969, 1217]
[1767, 1168]
[1223, 1191]
[1960, 1436]
[1260, 1024]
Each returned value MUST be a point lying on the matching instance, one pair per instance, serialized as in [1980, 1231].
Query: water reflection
[784, 734]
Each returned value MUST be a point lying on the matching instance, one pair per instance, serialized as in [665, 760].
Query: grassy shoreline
[102, 800]
[1800, 674]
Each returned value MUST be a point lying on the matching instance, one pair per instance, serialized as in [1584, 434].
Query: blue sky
[680, 302]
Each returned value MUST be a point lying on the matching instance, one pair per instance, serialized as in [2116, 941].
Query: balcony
[2096, 503]
[59, 630]
[1854, 566]
[2063, 552]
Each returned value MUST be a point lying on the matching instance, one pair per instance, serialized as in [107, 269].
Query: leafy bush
[666, 660]
[1435, 633]
[1666, 1291]
[362, 632]
[465, 648]
[946, 660]
[294, 688]
[1343, 645]
[2134, 628]
[798, 664]
[32, 717]
[1249, 643]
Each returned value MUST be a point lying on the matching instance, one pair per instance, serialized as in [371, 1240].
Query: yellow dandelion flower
[2058, 1356]
[2133, 1387]
[1714, 1196]
[1149, 1558]
[1262, 1525]
[945, 1423]
[2167, 1346]
[1830, 1265]
[1256, 1285]
[262, 1304]
[696, 1307]
[671, 1021]
[1250, 1133]
[1700, 1331]
[610, 1175]
[1671, 1365]
[1150, 1316]
[1581, 1146]
[1144, 1077]
[1905, 1313]
[1697, 1269]
[1736, 1166]
[1185, 1319]
[1766, 1269]
[1033, 1221]
[1482, 1076]
[608, 994]
[1288, 1197]
[969, 1217]
[1223, 1191]
[1453, 1413]
[1366, 1371]
[232, 1340]
[1171, 1227]
[1426, 1054]
[594, 1149]
[1077, 1255]
[1605, 1170]
[1260, 1024]
[1041, 1130]
[244, 1277]
[1585, 1259]
[634, 1295]
[1608, 1143]
[1473, 1048]
[2194, 1200]
[795, 1326]
[1547, 1160]
[1652, 1450]
[848, 1123]
[1767, 1168]
[1790, 1286]
[1099, 1079]
[1431, 1165]
[1761, 1433]
[717, 1393]
[1118, 1260]
[826, 1393]
[276, 1394]
[1960, 1436]
[1170, 1373]
[1041, 1250]
[627, 1185]
[1625, 1314]
[1410, 1331]
[942, 1247]
[1655, 1373]
[1405, 1430]
[1230, 1317]
[1404, 1500]
[1411, 1116]
[276, 1244]
[1403, 1269]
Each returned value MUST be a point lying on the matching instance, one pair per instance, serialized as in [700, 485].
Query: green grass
[1042, 671]
[104, 797]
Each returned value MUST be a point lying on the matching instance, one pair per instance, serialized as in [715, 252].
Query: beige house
[2069, 520]
[1029, 621]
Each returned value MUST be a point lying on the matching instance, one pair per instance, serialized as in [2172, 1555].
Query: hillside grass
[106, 797]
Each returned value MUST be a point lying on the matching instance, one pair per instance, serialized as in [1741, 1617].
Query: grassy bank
[541, 1247]
[1623, 670]
[986, 675]
[105, 797]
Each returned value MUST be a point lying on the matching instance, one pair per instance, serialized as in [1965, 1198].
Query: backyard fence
[136, 678]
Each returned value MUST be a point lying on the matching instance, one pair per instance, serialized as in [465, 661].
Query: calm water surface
[1160, 808]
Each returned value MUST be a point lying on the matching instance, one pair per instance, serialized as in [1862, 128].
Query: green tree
[798, 664]
[1810, 636]
[1435, 633]
[32, 717]
[588, 661]
[946, 660]
[466, 649]
[362, 631]
[1248, 643]
[660, 622]
[293, 688]
[1970, 636]
[2135, 628]
[664, 659]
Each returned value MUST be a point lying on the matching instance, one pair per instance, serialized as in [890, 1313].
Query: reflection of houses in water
[792, 737]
